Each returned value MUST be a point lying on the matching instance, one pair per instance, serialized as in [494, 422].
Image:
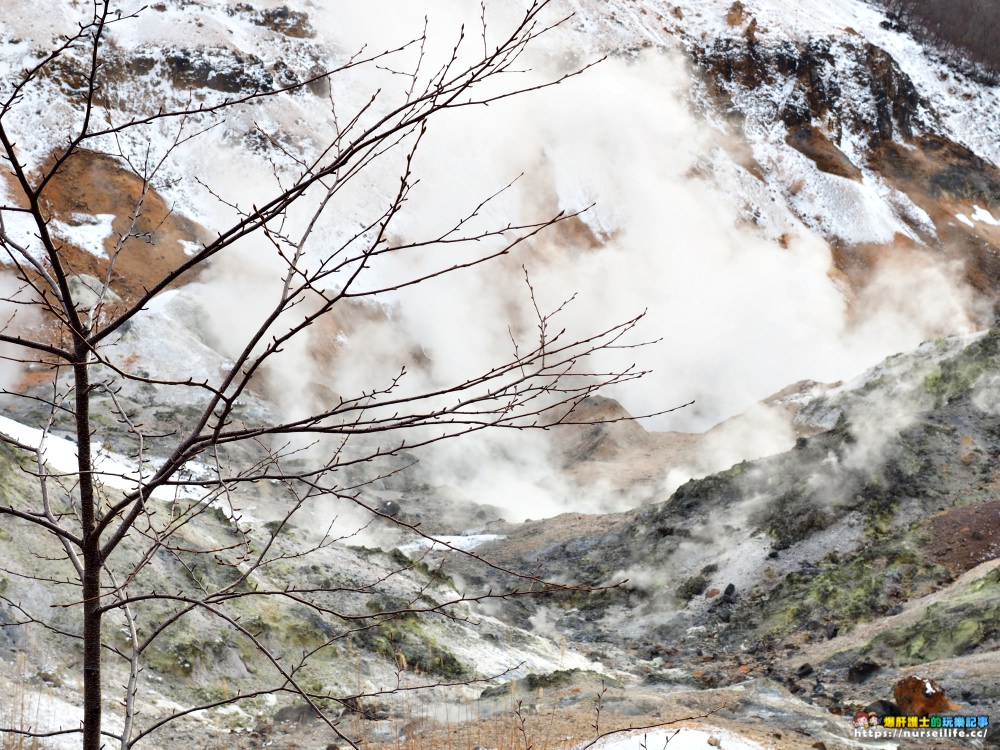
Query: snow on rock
[854, 211]
[984, 216]
[843, 41]
[87, 232]
[493, 648]
[463, 542]
[19, 227]
[168, 338]
[60, 456]
[966, 108]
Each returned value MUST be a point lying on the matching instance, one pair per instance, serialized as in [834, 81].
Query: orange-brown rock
[918, 696]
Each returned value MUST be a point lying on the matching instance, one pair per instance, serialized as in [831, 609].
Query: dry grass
[523, 725]
[19, 711]
[544, 720]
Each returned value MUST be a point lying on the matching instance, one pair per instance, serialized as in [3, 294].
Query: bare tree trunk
[91, 653]
[91, 557]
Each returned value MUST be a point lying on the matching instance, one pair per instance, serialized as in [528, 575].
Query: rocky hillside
[815, 157]
[848, 123]
[867, 552]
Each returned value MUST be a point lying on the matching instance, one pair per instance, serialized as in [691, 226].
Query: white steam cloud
[739, 315]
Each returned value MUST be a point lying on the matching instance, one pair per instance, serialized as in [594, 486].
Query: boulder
[919, 696]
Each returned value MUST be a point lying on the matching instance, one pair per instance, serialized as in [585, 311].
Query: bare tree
[964, 31]
[114, 523]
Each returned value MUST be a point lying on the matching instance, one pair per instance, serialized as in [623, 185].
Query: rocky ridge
[865, 553]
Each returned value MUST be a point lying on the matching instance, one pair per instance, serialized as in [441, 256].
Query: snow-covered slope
[772, 243]
[962, 108]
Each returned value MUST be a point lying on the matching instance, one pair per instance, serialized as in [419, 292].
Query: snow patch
[86, 232]
[191, 248]
[463, 542]
[60, 456]
[984, 216]
[20, 227]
